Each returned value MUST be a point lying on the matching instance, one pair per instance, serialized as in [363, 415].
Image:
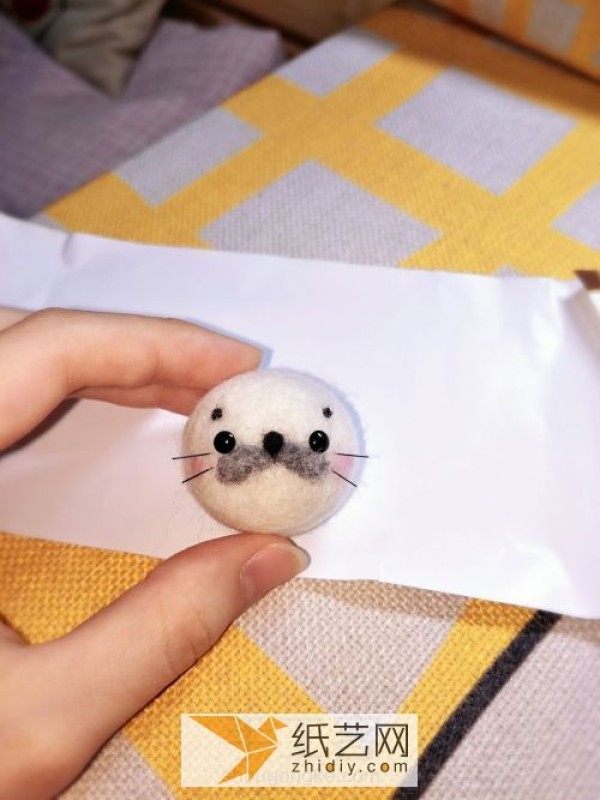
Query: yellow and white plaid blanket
[414, 140]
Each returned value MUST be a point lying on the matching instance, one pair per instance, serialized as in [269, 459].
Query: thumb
[105, 670]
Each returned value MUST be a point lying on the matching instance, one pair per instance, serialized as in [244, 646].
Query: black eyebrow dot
[217, 413]
[327, 412]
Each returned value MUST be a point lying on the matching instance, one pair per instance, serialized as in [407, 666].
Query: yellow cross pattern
[479, 231]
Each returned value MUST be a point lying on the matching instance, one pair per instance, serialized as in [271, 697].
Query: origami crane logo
[257, 744]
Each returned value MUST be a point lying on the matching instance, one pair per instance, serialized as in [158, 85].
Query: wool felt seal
[272, 451]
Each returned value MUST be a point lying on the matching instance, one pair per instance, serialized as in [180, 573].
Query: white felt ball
[272, 451]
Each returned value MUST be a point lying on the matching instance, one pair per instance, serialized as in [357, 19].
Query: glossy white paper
[479, 398]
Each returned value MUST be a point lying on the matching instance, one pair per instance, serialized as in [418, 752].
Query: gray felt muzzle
[238, 465]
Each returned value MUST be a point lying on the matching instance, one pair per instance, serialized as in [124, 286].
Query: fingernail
[272, 566]
[254, 353]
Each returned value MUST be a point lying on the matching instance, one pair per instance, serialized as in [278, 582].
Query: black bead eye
[319, 441]
[224, 442]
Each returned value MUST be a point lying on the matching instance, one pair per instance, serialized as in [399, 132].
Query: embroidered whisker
[197, 475]
[193, 455]
[351, 455]
[345, 479]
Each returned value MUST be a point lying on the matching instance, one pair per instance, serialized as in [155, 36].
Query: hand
[120, 659]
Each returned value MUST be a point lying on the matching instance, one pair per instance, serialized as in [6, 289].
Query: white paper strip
[480, 400]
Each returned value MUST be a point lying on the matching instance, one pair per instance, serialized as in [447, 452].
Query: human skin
[61, 700]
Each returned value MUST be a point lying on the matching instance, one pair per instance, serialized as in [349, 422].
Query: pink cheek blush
[345, 465]
[194, 466]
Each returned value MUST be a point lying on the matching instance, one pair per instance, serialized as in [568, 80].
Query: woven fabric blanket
[417, 141]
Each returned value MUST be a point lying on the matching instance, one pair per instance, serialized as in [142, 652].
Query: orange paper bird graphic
[257, 744]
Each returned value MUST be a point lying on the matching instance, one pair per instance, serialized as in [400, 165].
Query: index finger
[56, 353]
